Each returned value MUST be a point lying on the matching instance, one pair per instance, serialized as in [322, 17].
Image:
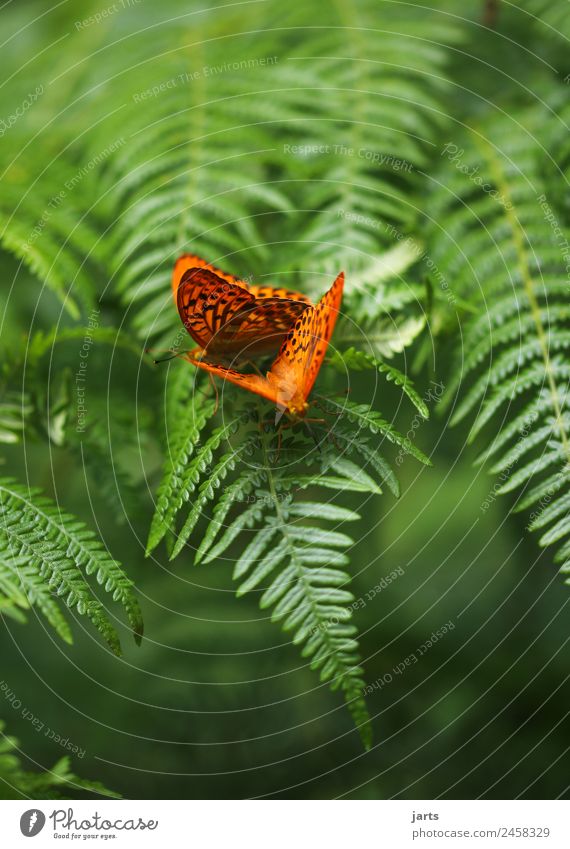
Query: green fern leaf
[367, 419]
[49, 553]
[518, 346]
[360, 361]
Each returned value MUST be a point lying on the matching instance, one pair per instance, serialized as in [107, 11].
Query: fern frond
[49, 553]
[239, 490]
[492, 202]
[295, 566]
[23, 587]
[59, 782]
[47, 222]
[156, 165]
[368, 419]
[292, 548]
[184, 468]
[349, 443]
[15, 410]
[360, 361]
[206, 492]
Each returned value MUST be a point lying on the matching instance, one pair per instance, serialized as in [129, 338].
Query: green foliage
[550, 19]
[157, 164]
[45, 557]
[494, 206]
[322, 150]
[361, 361]
[288, 554]
[59, 782]
[15, 407]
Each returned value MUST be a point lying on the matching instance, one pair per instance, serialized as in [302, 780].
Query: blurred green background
[217, 703]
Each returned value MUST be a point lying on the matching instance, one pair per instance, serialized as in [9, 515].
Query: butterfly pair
[232, 321]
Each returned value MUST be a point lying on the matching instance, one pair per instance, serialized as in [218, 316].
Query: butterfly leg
[280, 430]
[322, 406]
[331, 437]
[311, 433]
[329, 432]
[252, 365]
[284, 425]
[203, 392]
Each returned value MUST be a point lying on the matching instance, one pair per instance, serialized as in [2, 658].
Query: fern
[152, 173]
[45, 556]
[15, 409]
[317, 161]
[551, 19]
[179, 478]
[516, 350]
[361, 361]
[364, 418]
[59, 782]
[288, 554]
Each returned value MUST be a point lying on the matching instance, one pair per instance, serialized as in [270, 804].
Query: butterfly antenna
[166, 359]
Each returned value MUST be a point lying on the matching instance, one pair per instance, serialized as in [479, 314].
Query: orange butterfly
[291, 377]
[226, 316]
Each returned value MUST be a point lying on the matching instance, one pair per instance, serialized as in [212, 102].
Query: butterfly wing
[280, 293]
[262, 327]
[297, 365]
[323, 320]
[222, 314]
[187, 262]
[252, 382]
[208, 306]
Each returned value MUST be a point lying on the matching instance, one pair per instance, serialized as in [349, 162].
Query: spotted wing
[227, 319]
[323, 320]
[262, 327]
[297, 365]
[209, 306]
[187, 262]
[303, 351]
[280, 293]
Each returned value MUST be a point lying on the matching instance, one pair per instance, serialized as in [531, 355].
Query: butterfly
[229, 318]
[290, 379]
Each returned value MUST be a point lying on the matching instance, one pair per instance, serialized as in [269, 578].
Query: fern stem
[198, 134]
[283, 528]
[353, 698]
[524, 269]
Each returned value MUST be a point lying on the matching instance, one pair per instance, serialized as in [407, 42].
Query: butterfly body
[233, 323]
